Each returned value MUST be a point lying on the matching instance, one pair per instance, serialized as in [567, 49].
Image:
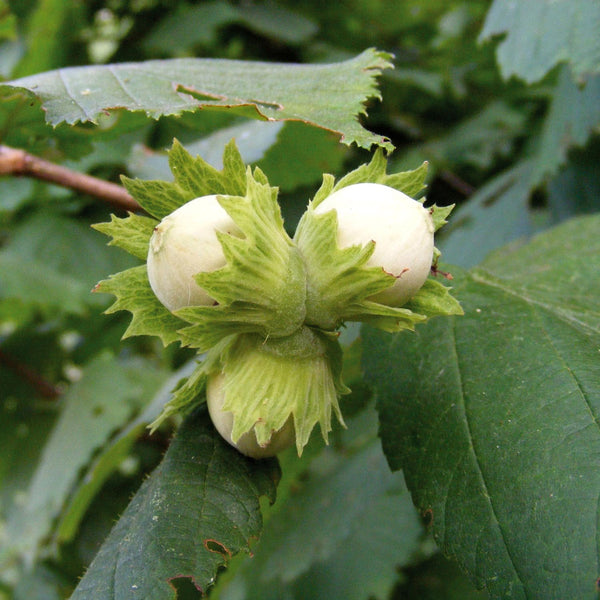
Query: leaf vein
[559, 355]
[122, 85]
[567, 317]
[63, 81]
[478, 465]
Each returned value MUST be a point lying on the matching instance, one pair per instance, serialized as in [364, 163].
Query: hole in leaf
[186, 588]
[428, 517]
[215, 546]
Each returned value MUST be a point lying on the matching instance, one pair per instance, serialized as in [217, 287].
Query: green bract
[265, 308]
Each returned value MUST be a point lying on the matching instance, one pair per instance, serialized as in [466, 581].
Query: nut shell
[402, 229]
[183, 244]
[246, 444]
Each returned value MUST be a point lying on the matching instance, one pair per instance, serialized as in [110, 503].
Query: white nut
[246, 444]
[184, 244]
[402, 229]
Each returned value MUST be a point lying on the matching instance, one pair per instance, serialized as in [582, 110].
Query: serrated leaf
[262, 286]
[199, 508]
[134, 294]
[158, 198]
[199, 178]
[193, 178]
[542, 33]
[184, 397]
[271, 91]
[252, 138]
[434, 299]
[439, 215]
[492, 416]
[339, 281]
[410, 183]
[353, 524]
[131, 233]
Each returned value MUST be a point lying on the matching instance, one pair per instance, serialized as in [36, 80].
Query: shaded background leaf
[93, 409]
[542, 33]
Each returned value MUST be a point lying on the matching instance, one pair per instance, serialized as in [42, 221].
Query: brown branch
[454, 181]
[20, 163]
[44, 388]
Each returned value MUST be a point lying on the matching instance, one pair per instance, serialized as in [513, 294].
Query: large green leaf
[494, 416]
[199, 508]
[326, 95]
[542, 33]
[342, 532]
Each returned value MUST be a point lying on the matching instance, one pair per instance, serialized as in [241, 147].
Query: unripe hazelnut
[246, 444]
[402, 229]
[184, 244]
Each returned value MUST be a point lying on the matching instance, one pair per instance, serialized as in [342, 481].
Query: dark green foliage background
[489, 422]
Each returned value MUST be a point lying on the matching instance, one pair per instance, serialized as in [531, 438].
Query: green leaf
[353, 524]
[573, 117]
[542, 33]
[410, 183]
[309, 93]
[193, 178]
[132, 233]
[199, 508]
[93, 408]
[134, 294]
[188, 394]
[493, 416]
